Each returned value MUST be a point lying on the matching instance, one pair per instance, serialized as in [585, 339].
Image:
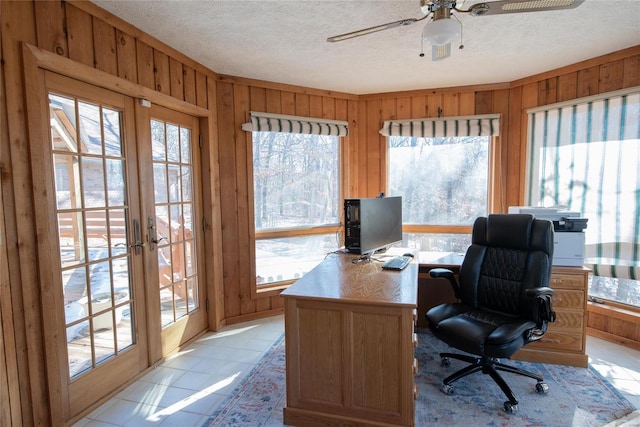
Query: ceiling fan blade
[375, 29]
[517, 6]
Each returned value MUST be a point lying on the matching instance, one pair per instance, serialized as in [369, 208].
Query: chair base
[490, 366]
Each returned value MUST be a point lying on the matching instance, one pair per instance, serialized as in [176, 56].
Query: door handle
[138, 243]
[153, 240]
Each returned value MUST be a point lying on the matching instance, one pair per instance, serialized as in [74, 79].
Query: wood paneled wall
[88, 35]
[10, 414]
[236, 98]
[365, 157]
[511, 100]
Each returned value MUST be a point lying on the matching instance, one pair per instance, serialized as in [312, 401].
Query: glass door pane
[174, 220]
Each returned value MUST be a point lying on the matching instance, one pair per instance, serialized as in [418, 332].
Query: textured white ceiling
[284, 41]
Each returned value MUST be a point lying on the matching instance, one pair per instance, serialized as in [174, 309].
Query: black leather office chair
[504, 298]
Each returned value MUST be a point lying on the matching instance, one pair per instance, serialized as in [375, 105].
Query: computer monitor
[372, 224]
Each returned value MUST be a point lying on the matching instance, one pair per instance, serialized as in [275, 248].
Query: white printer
[568, 249]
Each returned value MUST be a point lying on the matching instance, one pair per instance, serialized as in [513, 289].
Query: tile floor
[187, 388]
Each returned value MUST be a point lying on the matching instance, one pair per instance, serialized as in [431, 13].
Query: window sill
[273, 289]
[623, 311]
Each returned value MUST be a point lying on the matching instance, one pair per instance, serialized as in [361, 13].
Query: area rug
[577, 397]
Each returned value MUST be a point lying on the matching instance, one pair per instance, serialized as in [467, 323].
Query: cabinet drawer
[567, 281]
[568, 299]
[568, 320]
[564, 341]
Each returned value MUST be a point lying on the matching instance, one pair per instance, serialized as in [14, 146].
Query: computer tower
[352, 225]
[372, 224]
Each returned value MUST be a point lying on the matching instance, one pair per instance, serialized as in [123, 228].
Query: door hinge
[200, 140]
[206, 305]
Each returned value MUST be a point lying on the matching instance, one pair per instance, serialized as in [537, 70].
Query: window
[297, 195]
[441, 170]
[585, 155]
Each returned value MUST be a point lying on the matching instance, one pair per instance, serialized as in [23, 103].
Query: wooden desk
[349, 345]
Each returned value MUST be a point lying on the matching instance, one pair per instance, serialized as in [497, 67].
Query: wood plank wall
[236, 98]
[88, 35]
[366, 164]
[84, 33]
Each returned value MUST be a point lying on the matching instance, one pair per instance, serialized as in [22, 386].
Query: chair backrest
[509, 253]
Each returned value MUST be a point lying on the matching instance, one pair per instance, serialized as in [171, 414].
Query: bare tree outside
[295, 180]
[442, 181]
[296, 187]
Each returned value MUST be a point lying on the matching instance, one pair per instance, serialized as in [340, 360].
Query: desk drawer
[564, 341]
[563, 298]
[567, 281]
[568, 320]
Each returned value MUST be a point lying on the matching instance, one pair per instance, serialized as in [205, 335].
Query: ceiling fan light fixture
[441, 31]
[439, 53]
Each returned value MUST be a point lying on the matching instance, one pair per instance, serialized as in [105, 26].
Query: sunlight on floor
[185, 403]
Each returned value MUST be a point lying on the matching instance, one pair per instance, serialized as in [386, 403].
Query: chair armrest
[537, 292]
[444, 273]
[545, 311]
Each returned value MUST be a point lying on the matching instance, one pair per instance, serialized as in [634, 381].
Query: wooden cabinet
[349, 333]
[564, 343]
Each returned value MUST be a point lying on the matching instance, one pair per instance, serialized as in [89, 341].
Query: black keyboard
[397, 263]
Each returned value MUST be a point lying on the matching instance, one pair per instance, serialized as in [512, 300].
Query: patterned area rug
[577, 397]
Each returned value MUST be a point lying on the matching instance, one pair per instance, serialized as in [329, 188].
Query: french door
[170, 194]
[125, 272]
[99, 286]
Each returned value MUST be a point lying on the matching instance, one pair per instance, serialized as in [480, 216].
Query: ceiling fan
[441, 30]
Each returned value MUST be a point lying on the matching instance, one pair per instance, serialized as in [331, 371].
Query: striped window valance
[585, 155]
[609, 267]
[485, 125]
[265, 122]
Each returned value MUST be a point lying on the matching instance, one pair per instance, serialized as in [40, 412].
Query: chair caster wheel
[445, 362]
[542, 388]
[510, 408]
[447, 389]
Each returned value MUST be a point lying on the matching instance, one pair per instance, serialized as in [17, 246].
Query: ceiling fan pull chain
[461, 29]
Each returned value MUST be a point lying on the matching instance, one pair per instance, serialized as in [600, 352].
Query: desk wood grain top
[338, 279]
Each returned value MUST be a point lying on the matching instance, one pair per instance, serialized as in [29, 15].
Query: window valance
[612, 267]
[485, 125]
[265, 122]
